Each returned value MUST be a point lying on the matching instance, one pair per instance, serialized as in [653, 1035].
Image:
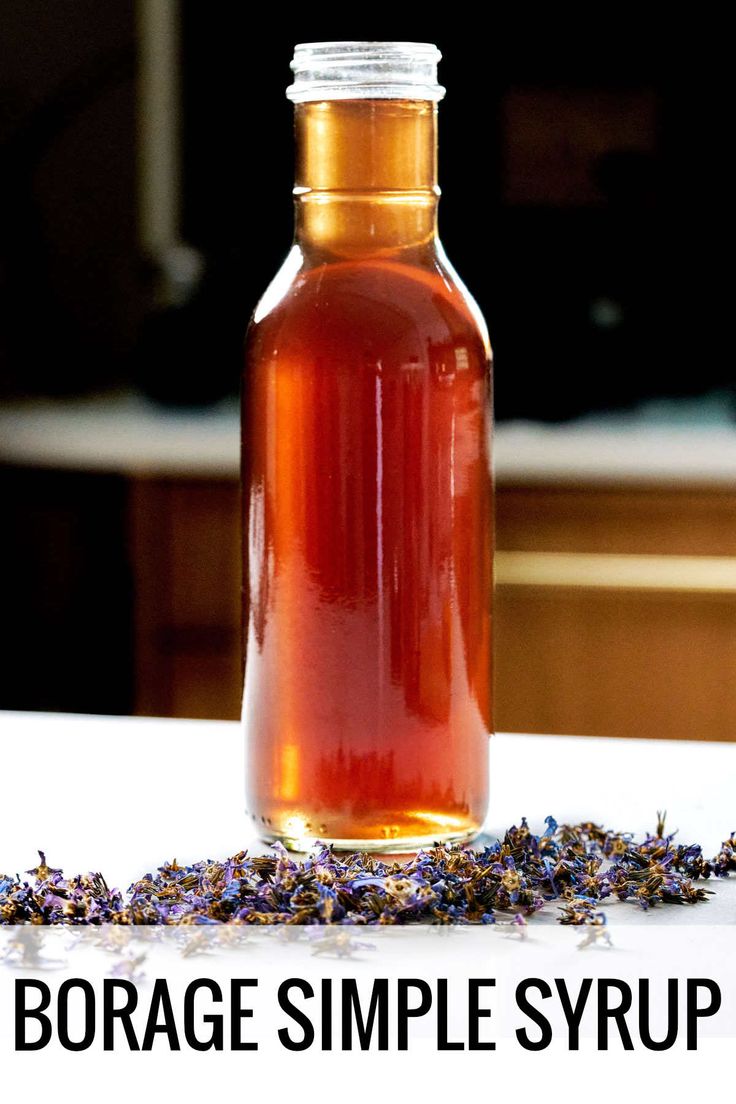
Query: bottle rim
[365, 70]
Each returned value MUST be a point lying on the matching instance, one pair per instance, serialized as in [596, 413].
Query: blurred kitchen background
[145, 176]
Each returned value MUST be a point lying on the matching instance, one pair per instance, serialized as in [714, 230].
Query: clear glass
[368, 504]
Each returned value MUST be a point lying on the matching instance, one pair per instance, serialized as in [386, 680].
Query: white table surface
[122, 795]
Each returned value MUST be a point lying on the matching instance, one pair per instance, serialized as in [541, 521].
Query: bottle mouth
[365, 71]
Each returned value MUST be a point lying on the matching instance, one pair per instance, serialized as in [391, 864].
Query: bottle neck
[366, 175]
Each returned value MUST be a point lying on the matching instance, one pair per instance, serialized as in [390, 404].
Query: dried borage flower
[578, 866]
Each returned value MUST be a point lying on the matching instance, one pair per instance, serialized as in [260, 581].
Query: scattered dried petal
[580, 865]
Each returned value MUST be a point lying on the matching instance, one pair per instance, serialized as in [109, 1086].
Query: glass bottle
[368, 506]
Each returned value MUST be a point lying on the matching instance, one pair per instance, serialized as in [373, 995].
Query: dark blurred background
[567, 161]
[145, 175]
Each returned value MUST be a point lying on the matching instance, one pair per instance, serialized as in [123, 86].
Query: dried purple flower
[579, 865]
[43, 870]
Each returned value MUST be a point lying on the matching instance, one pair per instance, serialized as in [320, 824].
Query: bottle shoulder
[445, 265]
[411, 296]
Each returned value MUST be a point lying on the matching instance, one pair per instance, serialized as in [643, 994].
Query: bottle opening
[365, 71]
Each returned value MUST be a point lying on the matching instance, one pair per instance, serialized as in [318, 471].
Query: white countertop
[126, 435]
[129, 435]
[122, 795]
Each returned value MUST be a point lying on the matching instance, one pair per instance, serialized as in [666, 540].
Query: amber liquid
[368, 514]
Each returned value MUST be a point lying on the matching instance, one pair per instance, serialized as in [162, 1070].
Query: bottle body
[368, 529]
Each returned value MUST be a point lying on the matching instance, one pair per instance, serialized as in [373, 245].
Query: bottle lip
[365, 70]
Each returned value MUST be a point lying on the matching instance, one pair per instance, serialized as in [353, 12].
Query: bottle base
[384, 845]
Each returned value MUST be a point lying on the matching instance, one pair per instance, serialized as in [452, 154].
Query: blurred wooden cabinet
[185, 546]
[615, 610]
